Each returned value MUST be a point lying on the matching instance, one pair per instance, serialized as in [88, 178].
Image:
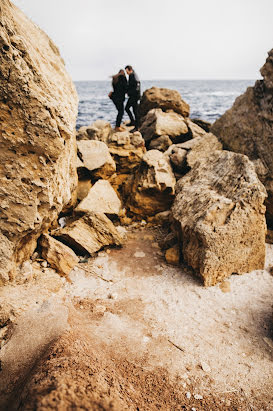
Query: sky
[161, 39]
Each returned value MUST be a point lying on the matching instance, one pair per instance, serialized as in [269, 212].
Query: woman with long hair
[119, 83]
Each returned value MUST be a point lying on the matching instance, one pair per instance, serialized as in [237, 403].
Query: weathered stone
[172, 255]
[220, 214]
[99, 130]
[83, 189]
[58, 255]
[89, 233]
[95, 155]
[248, 128]
[205, 125]
[195, 130]
[157, 123]
[127, 149]
[38, 109]
[179, 159]
[161, 143]
[165, 99]
[151, 190]
[101, 198]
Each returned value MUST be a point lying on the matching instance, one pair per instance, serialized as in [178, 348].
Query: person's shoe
[119, 129]
[134, 129]
[132, 123]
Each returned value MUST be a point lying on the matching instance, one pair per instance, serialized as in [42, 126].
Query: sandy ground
[131, 332]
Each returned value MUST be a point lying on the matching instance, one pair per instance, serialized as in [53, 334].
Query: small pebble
[139, 254]
[205, 367]
[44, 264]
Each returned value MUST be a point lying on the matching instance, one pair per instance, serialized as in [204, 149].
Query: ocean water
[208, 99]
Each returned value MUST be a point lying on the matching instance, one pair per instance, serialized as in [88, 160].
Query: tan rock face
[58, 255]
[95, 155]
[127, 150]
[38, 109]
[161, 143]
[248, 128]
[165, 99]
[101, 198]
[151, 190]
[157, 123]
[99, 130]
[220, 214]
[89, 233]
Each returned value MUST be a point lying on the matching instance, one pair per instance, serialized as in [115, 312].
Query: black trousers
[120, 107]
[132, 102]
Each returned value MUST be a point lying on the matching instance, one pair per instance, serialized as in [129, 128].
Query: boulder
[165, 99]
[89, 233]
[99, 130]
[158, 123]
[195, 129]
[161, 143]
[172, 255]
[58, 255]
[151, 189]
[205, 125]
[96, 157]
[127, 149]
[101, 198]
[38, 110]
[220, 218]
[83, 189]
[247, 128]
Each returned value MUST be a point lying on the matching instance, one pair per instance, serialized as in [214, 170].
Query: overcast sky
[162, 39]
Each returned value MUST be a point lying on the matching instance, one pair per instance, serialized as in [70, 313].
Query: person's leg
[128, 111]
[120, 108]
[135, 110]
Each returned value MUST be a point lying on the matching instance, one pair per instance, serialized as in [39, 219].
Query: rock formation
[151, 189]
[95, 156]
[248, 128]
[38, 109]
[165, 99]
[220, 215]
[99, 130]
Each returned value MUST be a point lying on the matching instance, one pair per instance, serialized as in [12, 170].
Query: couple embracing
[121, 87]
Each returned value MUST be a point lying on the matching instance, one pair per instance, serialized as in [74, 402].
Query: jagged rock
[161, 143]
[83, 189]
[89, 233]
[151, 189]
[165, 99]
[220, 215]
[195, 129]
[205, 125]
[95, 155]
[101, 198]
[38, 109]
[99, 130]
[127, 149]
[184, 155]
[157, 123]
[58, 255]
[248, 128]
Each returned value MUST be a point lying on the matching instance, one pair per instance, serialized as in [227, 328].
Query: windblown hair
[116, 76]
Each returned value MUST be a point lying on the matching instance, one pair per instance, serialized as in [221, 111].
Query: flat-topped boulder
[220, 217]
[247, 128]
[95, 156]
[165, 99]
[38, 110]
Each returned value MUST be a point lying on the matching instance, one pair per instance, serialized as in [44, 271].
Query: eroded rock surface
[165, 99]
[95, 155]
[38, 109]
[99, 130]
[220, 214]
[248, 128]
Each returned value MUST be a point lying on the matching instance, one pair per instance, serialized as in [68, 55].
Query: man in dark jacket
[133, 92]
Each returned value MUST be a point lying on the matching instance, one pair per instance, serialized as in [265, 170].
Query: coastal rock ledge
[38, 109]
[220, 217]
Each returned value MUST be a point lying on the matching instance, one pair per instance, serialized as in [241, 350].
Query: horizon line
[182, 79]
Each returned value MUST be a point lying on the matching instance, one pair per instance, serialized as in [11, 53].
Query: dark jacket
[120, 89]
[134, 86]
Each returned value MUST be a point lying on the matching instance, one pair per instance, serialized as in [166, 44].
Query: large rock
[101, 198]
[165, 99]
[161, 143]
[220, 214]
[127, 149]
[248, 128]
[38, 109]
[99, 130]
[57, 254]
[151, 189]
[158, 123]
[95, 156]
[89, 233]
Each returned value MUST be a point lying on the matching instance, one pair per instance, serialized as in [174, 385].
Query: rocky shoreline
[67, 196]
